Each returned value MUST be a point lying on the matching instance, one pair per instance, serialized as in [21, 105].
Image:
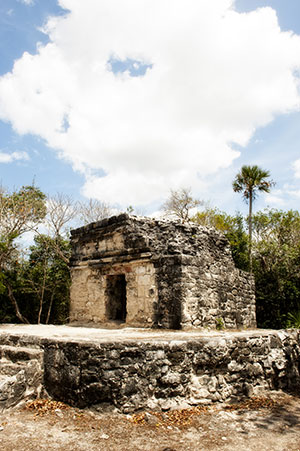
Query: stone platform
[135, 369]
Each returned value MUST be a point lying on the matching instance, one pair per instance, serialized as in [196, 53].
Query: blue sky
[19, 33]
[148, 101]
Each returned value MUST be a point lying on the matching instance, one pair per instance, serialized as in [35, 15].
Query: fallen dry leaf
[43, 406]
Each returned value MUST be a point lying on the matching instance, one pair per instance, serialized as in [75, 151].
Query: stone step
[20, 354]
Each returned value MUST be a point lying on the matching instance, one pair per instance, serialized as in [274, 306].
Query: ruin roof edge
[124, 218]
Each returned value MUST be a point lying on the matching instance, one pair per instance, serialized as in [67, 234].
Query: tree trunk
[50, 306]
[42, 294]
[250, 230]
[15, 303]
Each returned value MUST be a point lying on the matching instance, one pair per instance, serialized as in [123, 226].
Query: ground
[266, 423]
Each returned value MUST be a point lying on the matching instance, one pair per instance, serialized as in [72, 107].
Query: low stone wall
[166, 370]
[21, 374]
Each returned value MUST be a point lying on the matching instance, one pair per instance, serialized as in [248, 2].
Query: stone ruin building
[156, 273]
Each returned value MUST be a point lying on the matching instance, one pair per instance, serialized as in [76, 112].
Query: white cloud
[288, 195]
[296, 167]
[276, 199]
[216, 76]
[14, 156]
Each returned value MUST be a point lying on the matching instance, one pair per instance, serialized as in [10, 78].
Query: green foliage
[293, 320]
[130, 210]
[20, 211]
[40, 283]
[220, 324]
[233, 228]
[34, 289]
[276, 266]
[46, 278]
[250, 180]
[276, 258]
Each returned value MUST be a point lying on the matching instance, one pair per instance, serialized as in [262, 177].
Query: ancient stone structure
[145, 369]
[21, 374]
[149, 273]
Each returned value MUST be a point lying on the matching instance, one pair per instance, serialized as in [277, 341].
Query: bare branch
[61, 210]
[180, 203]
[94, 210]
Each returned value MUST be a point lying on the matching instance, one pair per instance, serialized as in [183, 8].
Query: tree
[251, 180]
[180, 203]
[20, 211]
[276, 266]
[61, 210]
[45, 276]
[94, 210]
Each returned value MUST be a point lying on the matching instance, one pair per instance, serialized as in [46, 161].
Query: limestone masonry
[132, 369]
[153, 273]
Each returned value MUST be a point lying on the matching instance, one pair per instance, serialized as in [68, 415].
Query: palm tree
[249, 181]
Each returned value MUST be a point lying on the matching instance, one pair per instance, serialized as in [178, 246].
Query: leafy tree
[40, 284]
[276, 263]
[34, 288]
[46, 277]
[180, 203]
[20, 211]
[251, 180]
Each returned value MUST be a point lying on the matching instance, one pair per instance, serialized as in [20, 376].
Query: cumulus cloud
[211, 77]
[14, 156]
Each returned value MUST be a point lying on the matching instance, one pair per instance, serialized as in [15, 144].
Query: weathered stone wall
[217, 292]
[132, 376]
[21, 374]
[166, 371]
[176, 275]
[89, 292]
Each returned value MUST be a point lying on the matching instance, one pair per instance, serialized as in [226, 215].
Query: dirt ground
[266, 423]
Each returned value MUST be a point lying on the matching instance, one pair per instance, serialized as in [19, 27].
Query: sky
[122, 101]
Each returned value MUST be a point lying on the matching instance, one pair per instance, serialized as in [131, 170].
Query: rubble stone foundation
[162, 371]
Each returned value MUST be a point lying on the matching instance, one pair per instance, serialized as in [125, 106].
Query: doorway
[116, 298]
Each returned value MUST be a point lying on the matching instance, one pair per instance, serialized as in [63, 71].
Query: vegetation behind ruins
[35, 281]
[276, 260]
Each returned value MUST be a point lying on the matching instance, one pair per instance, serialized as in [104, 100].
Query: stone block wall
[168, 374]
[167, 274]
[157, 370]
[91, 295]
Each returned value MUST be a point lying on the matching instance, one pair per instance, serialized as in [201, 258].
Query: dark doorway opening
[116, 298]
